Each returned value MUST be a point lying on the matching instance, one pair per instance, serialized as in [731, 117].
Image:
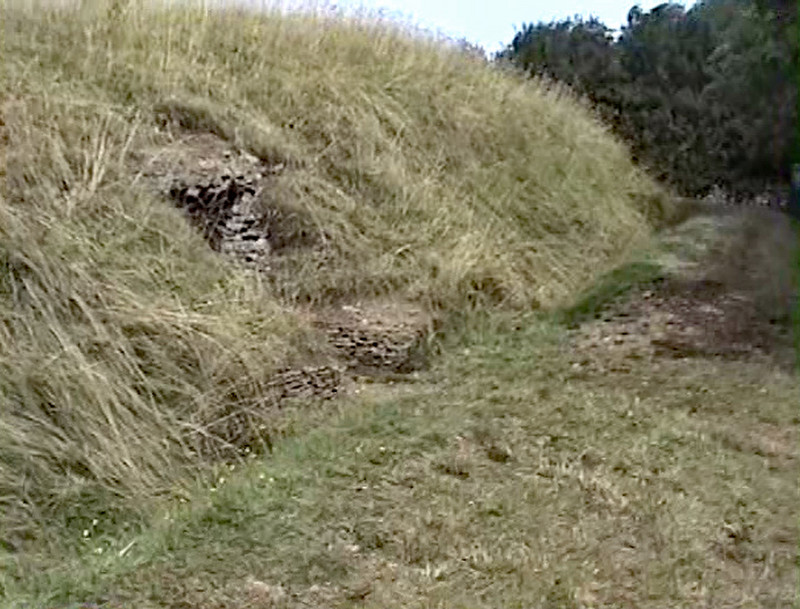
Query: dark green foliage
[703, 97]
[577, 52]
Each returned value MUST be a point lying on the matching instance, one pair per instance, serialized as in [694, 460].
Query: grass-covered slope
[528, 468]
[435, 178]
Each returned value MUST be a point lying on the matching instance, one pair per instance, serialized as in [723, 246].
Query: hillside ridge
[378, 167]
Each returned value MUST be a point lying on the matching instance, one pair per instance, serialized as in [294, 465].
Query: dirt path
[727, 293]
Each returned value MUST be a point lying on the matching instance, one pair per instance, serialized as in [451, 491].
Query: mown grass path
[508, 475]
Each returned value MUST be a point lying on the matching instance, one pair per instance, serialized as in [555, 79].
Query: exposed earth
[719, 298]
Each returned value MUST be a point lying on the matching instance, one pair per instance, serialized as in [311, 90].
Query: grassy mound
[435, 177]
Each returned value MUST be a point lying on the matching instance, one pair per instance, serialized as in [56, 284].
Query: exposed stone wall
[308, 382]
[225, 194]
[226, 211]
[384, 338]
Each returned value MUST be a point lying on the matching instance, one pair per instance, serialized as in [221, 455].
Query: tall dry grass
[434, 176]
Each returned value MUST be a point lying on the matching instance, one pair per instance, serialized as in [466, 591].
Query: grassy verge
[609, 288]
[506, 479]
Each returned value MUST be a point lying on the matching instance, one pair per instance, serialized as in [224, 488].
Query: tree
[703, 97]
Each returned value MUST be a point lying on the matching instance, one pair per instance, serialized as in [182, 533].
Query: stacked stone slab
[226, 211]
[308, 382]
[389, 339]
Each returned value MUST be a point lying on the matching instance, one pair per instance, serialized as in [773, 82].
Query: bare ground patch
[728, 294]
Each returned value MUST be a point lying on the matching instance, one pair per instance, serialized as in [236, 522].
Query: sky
[493, 23]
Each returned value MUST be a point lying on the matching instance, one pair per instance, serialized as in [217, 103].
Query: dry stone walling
[226, 194]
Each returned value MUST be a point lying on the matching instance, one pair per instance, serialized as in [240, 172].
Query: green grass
[505, 479]
[609, 289]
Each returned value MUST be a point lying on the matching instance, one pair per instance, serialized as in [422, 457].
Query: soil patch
[696, 310]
